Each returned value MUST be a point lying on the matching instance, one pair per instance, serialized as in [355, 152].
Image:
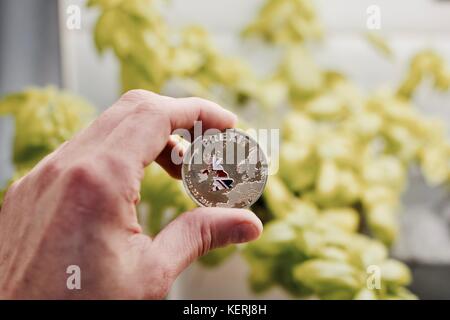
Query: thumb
[196, 232]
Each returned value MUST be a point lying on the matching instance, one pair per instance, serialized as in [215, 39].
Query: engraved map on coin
[227, 169]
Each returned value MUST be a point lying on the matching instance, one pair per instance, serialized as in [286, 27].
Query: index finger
[145, 131]
[183, 112]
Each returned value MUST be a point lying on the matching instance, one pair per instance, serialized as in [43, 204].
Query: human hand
[77, 207]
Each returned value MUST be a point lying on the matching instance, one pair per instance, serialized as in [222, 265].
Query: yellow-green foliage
[151, 54]
[312, 251]
[44, 118]
[285, 22]
[426, 64]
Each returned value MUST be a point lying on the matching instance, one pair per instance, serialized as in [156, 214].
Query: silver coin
[227, 169]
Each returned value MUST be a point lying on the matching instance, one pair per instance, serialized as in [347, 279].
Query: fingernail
[243, 232]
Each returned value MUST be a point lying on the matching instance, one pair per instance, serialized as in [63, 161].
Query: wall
[29, 55]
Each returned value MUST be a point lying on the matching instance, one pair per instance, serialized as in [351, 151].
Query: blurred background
[39, 48]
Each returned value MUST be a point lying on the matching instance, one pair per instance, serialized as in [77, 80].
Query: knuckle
[196, 100]
[137, 94]
[206, 239]
[147, 107]
[200, 231]
[157, 112]
[143, 108]
[83, 175]
[48, 172]
[87, 193]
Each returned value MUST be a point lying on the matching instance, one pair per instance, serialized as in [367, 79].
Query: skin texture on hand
[78, 207]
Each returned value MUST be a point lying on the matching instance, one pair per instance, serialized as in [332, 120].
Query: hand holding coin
[77, 207]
